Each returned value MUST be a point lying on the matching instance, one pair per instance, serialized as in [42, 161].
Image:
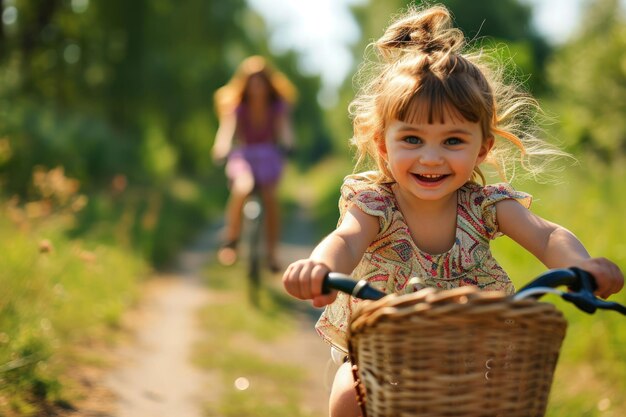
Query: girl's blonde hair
[423, 73]
[231, 95]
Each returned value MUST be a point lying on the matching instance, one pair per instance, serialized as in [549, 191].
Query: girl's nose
[430, 156]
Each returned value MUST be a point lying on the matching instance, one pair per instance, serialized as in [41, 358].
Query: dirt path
[152, 374]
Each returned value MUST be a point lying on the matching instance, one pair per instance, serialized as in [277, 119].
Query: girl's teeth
[430, 177]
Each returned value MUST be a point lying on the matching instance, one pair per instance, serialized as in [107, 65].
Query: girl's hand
[303, 280]
[609, 278]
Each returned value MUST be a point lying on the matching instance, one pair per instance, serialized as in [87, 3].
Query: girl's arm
[555, 246]
[340, 251]
[224, 136]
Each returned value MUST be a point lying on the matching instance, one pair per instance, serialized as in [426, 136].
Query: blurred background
[107, 122]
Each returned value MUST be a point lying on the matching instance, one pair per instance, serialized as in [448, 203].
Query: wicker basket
[460, 352]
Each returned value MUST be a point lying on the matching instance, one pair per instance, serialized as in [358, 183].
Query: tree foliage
[588, 76]
[118, 87]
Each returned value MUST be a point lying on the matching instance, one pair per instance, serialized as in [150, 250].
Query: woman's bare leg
[272, 221]
[240, 190]
[343, 402]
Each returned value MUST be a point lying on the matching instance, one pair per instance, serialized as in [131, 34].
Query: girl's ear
[484, 149]
[382, 148]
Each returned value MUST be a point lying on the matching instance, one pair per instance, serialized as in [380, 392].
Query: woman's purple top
[257, 151]
[248, 134]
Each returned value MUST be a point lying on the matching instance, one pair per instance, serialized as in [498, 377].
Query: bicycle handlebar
[580, 283]
[345, 283]
[573, 278]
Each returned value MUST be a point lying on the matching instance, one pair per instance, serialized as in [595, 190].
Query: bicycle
[253, 213]
[460, 352]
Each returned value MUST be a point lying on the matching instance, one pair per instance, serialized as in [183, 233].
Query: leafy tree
[588, 76]
[118, 87]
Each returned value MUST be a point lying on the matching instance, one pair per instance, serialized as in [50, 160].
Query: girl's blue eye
[454, 141]
[413, 140]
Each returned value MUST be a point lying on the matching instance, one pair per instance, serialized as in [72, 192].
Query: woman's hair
[231, 95]
[423, 73]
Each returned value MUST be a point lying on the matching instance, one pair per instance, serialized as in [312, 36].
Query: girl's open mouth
[430, 178]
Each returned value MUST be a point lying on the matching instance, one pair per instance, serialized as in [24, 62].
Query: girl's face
[430, 161]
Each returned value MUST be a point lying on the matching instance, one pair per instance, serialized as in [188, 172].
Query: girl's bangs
[434, 101]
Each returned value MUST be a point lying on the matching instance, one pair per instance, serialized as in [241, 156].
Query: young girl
[429, 118]
[253, 110]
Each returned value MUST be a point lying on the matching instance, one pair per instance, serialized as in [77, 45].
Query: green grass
[318, 190]
[156, 222]
[51, 301]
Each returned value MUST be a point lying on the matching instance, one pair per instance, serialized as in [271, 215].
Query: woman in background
[253, 135]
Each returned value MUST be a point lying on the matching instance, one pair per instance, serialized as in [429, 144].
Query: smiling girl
[425, 217]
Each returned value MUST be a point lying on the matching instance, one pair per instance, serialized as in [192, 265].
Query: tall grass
[55, 293]
[69, 268]
[590, 201]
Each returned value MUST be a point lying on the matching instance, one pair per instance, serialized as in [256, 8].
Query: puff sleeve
[492, 194]
[370, 197]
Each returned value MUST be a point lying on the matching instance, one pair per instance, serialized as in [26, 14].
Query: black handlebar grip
[344, 283]
[573, 278]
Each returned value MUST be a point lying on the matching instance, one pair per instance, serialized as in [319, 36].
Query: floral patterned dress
[393, 259]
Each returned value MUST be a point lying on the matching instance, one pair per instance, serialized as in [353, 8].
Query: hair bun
[427, 31]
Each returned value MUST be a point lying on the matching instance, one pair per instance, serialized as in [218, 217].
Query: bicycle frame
[253, 212]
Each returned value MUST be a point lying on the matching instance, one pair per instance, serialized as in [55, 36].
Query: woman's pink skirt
[264, 161]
